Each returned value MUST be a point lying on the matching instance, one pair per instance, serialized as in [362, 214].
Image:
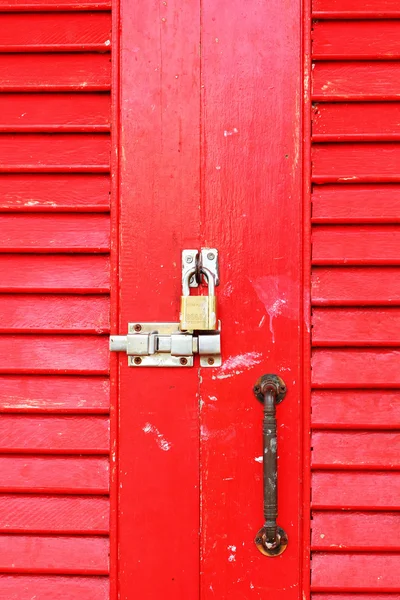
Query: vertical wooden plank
[159, 201]
[252, 211]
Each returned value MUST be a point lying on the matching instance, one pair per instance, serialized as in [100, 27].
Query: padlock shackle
[207, 274]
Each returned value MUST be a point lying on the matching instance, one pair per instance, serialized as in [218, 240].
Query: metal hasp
[165, 345]
[271, 540]
[207, 258]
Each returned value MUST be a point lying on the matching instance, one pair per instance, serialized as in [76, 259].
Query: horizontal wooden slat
[356, 203]
[356, 368]
[50, 192]
[54, 72]
[338, 40]
[355, 121]
[356, 81]
[55, 32]
[54, 514]
[57, 273]
[54, 435]
[359, 491]
[356, 596]
[356, 409]
[355, 9]
[356, 327]
[25, 152]
[355, 531]
[355, 572]
[54, 112]
[52, 554]
[356, 245]
[360, 450]
[54, 233]
[54, 475]
[54, 354]
[30, 313]
[21, 587]
[354, 286]
[356, 162]
[54, 394]
[53, 5]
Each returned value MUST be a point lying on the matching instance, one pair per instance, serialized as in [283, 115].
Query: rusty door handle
[271, 540]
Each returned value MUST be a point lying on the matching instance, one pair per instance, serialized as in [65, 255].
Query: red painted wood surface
[54, 153]
[355, 9]
[358, 122]
[56, 32]
[54, 514]
[356, 490]
[355, 409]
[53, 5]
[54, 112]
[54, 72]
[354, 286]
[56, 273]
[357, 572]
[55, 394]
[51, 313]
[54, 475]
[50, 192]
[356, 81]
[356, 327]
[356, 203]
[19, 587]
[355, 531]
[337, 40]
[51, 554]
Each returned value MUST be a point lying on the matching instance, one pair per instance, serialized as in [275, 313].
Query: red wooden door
[210, 154]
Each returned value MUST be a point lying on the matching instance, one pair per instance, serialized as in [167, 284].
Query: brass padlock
[198, 313]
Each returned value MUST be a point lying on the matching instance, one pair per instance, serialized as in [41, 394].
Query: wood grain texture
[57, 273]
[365, 596]
[355, 9]
[355, 450]
[54, 112]
[54, 394]
[346, 531]
[338, 40]
[356, 245]
[356, 121]
[361, 367]
[54, 514]
[356, 162]
[52, 554]
[356, 81]
[356, 572]
[31, 313]
[19, 587]
[87, 72]
[52, 31]
[356, 409]
[358, 491]
[354, 286]
[50, 192]
[356, 327]
[53, 5]
[356, 203]
[70, 152]
[54, 475]
[20, 434]
[60, 354]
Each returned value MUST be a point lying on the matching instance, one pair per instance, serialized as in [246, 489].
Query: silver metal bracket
[206, 258]
[164, 345]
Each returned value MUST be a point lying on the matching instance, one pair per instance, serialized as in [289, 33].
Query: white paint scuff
[162, 443]
[232, 556]
[278, 295]
[235, 365]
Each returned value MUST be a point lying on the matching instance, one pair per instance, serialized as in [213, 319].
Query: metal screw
[183, 360]
[137, 360]
[257, 389]
[210, 361]
[211, 256]
[137, 328]
[189, 259]
[282, 388]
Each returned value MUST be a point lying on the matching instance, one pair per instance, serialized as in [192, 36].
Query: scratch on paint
[235, 365]
[162, 443]
[278, 295]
